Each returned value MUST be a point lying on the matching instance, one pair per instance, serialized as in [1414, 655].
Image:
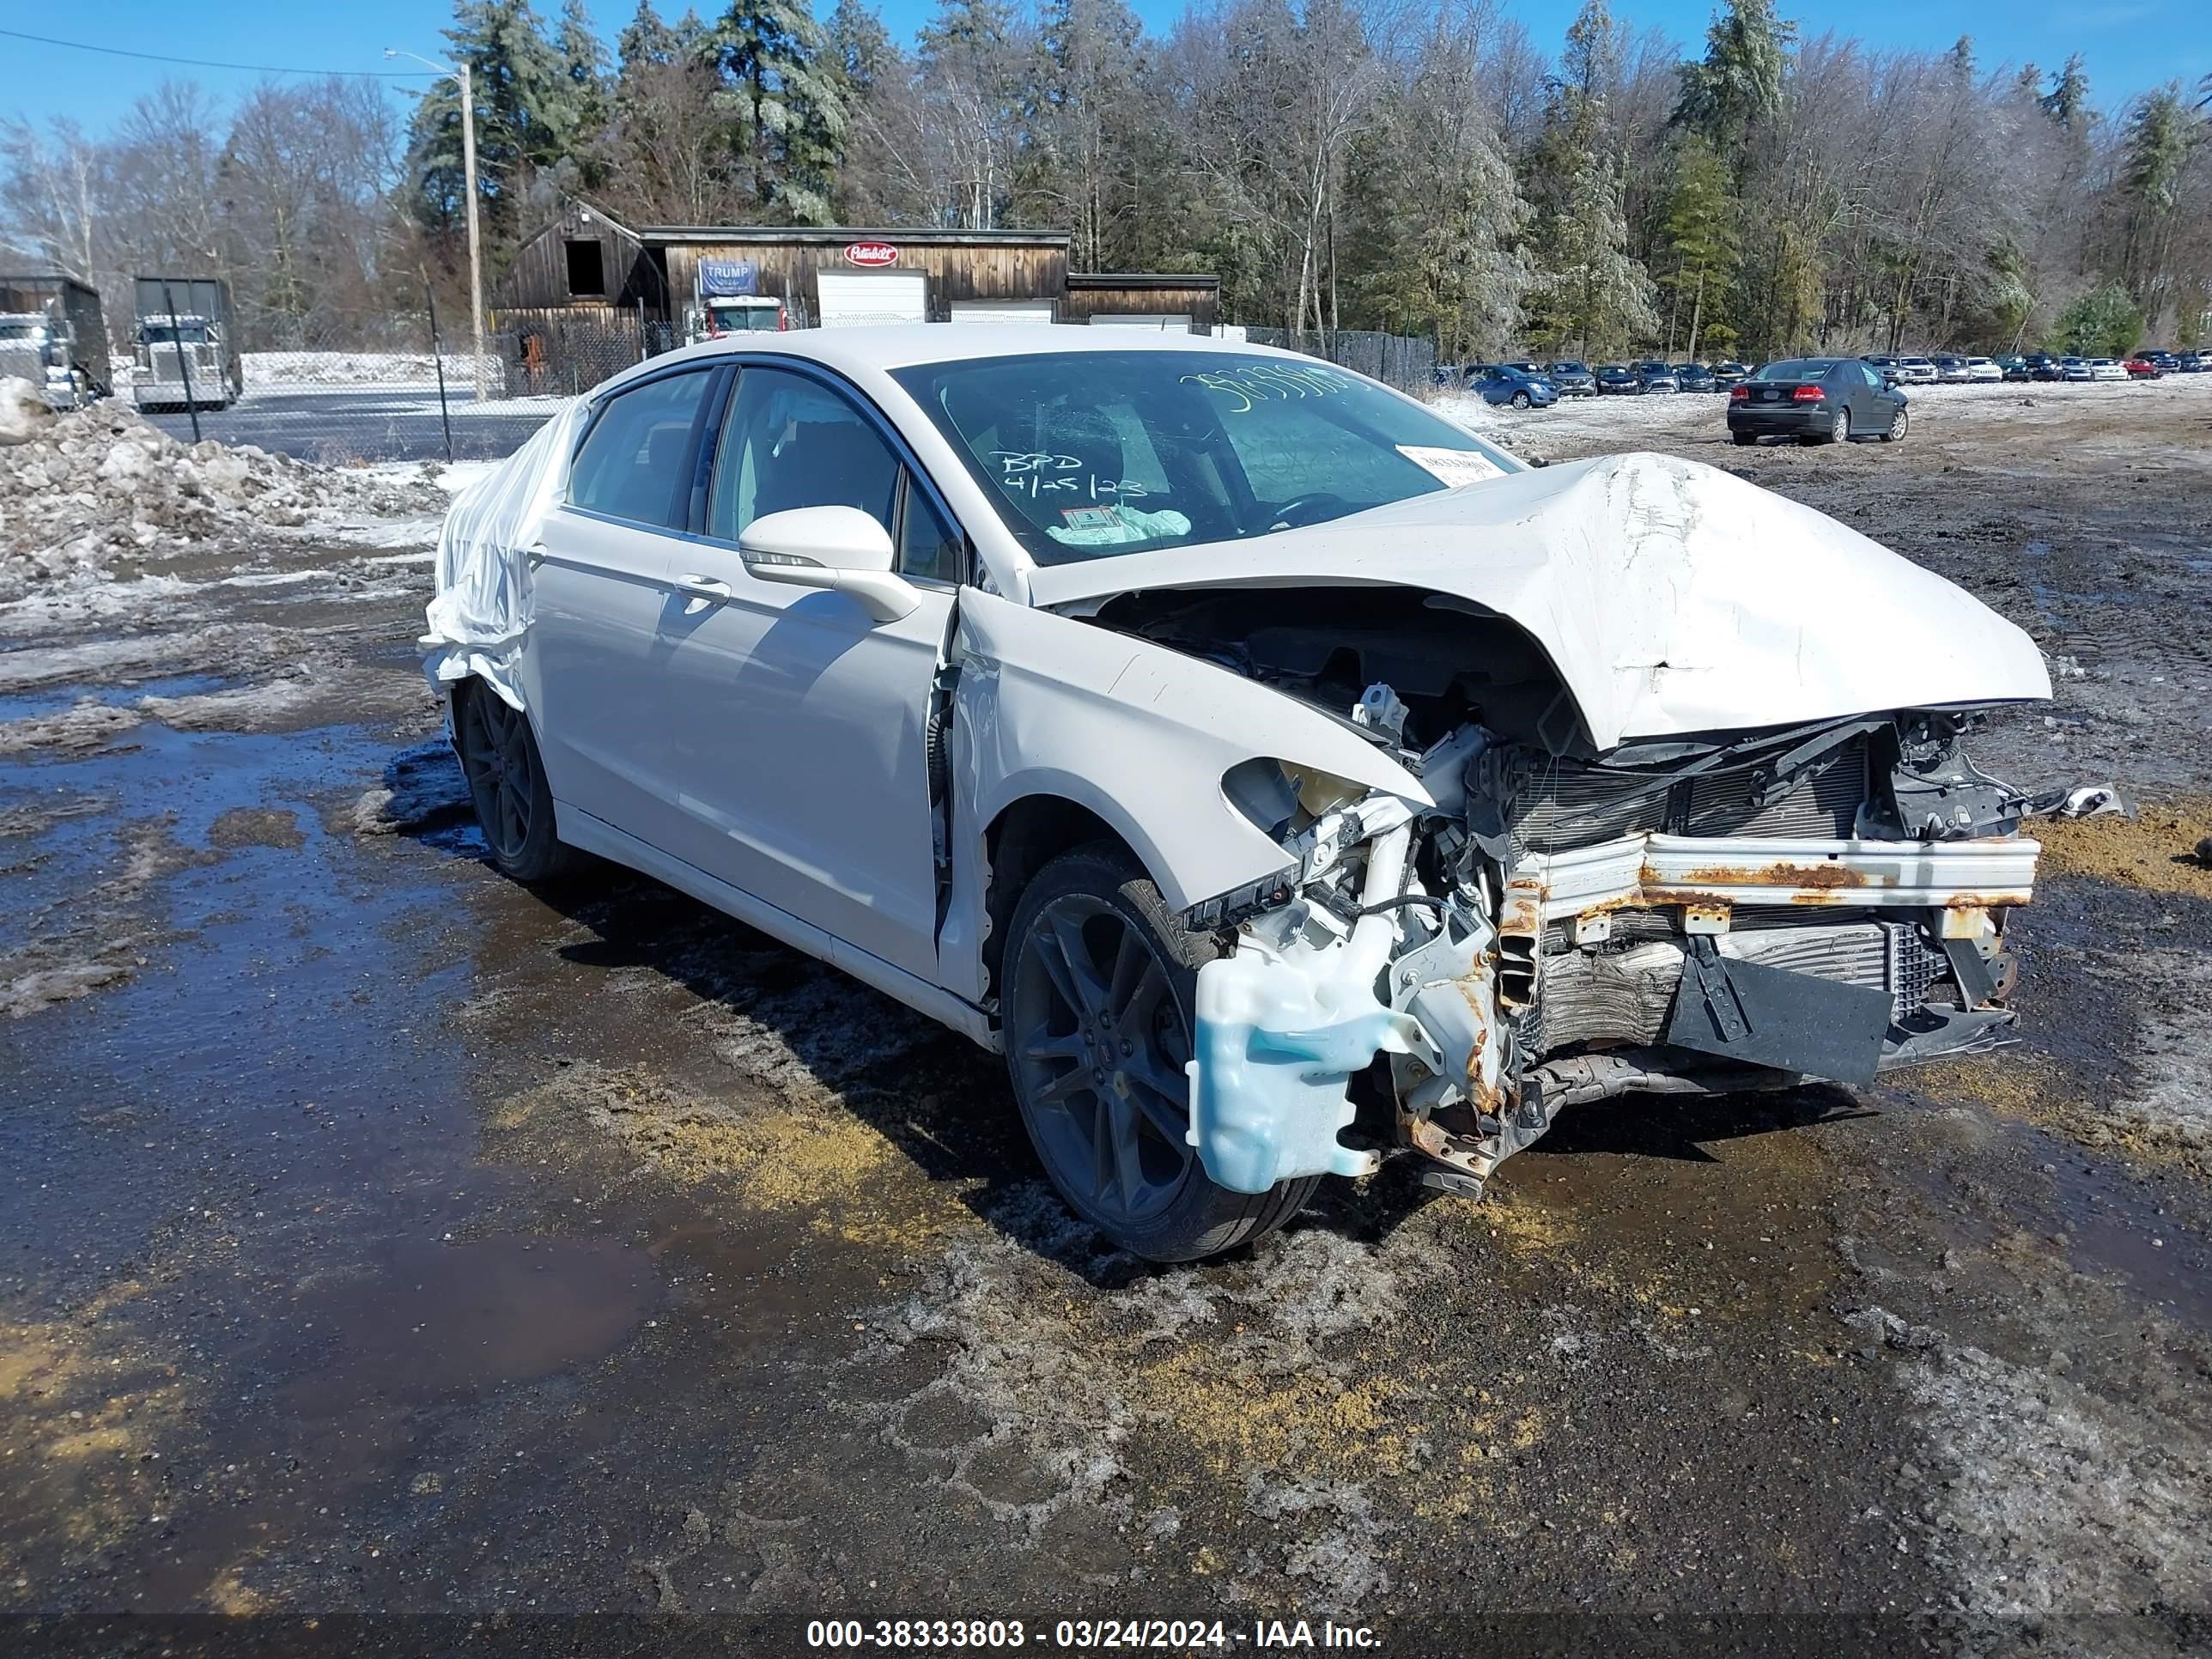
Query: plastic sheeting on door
[481, 612]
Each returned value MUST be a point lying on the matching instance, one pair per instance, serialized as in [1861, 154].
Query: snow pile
[296, 369]
[82, 490]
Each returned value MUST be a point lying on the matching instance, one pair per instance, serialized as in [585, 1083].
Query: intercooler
[1621, 991]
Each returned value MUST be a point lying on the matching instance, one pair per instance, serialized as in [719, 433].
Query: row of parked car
[1950, 369]
[1530, 384]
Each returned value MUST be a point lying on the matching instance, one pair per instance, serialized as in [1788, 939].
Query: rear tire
[1839, 430]
[1744, 439]
[506, 777]
[1100, 980]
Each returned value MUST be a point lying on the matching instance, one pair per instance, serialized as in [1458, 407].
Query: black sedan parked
[2041, 366]
[1572, 379]
[1695, 377]
[1616, 378]
[1731, 373]
[1816, 400]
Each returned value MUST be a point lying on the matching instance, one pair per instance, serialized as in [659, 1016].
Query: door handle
[702, 591]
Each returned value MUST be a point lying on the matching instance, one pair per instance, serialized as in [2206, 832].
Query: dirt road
[381, 1237]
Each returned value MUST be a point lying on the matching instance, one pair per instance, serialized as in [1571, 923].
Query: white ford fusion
[1279, 775]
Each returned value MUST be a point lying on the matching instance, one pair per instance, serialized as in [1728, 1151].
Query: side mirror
[840, 550]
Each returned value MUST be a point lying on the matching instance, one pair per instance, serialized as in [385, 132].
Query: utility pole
[480, 378]
[475, 246]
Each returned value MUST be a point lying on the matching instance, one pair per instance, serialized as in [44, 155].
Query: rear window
[636, 462]
[1798, 368]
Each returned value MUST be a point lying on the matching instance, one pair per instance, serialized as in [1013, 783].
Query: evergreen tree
[2160, 134]
[1593, 294]
[2068, 100]
[584, 60]
[861, 45]
[1739, 82]
[1701, 239]
[526, 117]
[786, 93]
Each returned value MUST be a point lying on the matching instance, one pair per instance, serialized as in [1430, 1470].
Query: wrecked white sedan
[1279, 775]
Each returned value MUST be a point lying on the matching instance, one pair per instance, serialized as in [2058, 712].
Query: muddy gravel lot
[381, 1237]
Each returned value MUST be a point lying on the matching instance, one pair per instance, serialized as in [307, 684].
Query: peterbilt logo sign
[870, 256]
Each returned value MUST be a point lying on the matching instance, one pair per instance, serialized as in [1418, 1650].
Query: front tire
[1898, 426]
[506, 783]
[1097, 1013]
[1520, 400]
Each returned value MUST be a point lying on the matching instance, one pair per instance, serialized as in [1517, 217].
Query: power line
[206, 63]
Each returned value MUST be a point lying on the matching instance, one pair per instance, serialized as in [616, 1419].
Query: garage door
[1142, 319]
[854, 299]
[1002, 311]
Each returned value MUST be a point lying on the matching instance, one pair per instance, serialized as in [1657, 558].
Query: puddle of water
[56, 699]
[2116, 1232]
[444, 1319]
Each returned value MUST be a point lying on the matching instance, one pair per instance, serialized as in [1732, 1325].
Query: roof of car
[902, 345]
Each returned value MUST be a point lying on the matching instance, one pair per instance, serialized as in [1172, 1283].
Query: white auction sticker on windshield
[1452, 467]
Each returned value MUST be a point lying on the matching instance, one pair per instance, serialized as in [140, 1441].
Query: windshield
[744, 318]
[1093, 453]
[168, 334]
[12, 329]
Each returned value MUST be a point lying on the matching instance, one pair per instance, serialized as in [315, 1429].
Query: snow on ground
[85, 493]
[1582, 423]
[351, 371]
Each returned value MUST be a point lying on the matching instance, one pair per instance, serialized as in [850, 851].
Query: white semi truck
[186, 350]
[51, 335]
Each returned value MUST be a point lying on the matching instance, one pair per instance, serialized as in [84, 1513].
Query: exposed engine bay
[1693, 913]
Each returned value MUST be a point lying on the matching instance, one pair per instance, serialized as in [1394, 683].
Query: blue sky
[2130, 46]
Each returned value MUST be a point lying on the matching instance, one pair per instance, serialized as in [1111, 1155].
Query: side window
[791, 442]
[927, 545]
[634, 463]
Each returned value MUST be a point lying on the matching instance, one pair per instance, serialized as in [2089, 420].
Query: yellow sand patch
[774, 1154]
[231, 1594]
[2155, 849]
[2016, 1087]
[36, 1361]
[1241, 1421]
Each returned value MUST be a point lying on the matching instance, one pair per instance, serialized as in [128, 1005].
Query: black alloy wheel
[1097, 1021]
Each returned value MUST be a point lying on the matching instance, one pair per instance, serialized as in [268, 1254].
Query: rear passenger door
[798, 721]
[601, 592]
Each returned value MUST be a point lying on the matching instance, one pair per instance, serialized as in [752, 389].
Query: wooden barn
[588, 295]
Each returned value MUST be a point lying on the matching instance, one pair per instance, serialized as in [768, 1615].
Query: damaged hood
[1671, 597]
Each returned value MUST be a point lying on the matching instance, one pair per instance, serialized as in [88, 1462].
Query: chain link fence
[1399, 360]
[408, 387]
[391, 387]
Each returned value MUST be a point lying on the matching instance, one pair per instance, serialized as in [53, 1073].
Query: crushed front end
[1683, 915]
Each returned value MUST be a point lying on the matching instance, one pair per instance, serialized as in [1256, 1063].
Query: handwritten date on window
[1036, 476]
